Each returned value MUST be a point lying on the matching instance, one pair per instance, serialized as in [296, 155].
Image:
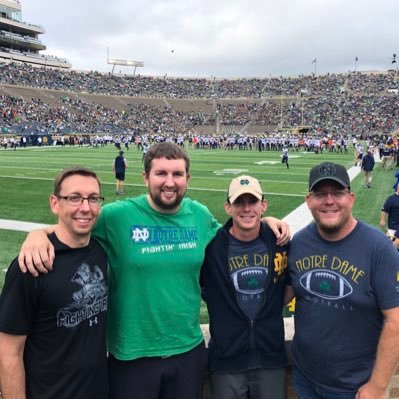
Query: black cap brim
[317, 181]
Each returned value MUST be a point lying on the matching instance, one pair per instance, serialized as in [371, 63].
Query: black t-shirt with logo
[63, 314]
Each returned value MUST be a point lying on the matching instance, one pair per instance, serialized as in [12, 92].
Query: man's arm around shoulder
[37, 253]
[12, 371]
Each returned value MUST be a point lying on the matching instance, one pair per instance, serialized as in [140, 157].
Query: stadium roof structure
[115, 62]
[19, 41]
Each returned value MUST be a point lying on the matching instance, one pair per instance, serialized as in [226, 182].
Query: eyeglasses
[322, 195]
[76, 200]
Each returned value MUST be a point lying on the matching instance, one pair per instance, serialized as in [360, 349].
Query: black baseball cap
[121, 152]
[329, 171]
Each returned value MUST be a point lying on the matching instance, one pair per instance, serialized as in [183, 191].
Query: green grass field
[26, 177]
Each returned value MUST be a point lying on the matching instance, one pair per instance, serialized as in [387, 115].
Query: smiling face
[331, 207]
[246, 212]
[75, 222]
[167, 183]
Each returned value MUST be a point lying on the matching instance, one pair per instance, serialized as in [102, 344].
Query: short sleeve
[18, 301]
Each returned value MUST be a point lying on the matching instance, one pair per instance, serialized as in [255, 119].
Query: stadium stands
[59, 102]
[19, 40]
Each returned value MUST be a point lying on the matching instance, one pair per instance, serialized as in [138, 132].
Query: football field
[26, 177]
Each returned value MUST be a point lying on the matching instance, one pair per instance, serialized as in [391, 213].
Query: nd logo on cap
[328, 169]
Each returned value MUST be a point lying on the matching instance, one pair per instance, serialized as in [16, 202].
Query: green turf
[26, 177]
[10, 241]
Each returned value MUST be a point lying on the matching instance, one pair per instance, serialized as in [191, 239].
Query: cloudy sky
[222, 38]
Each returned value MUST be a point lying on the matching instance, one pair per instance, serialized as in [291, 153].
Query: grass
[26, 178]
[10, 241]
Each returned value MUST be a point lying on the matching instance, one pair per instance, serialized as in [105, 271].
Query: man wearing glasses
[345, 276]
[52, 328]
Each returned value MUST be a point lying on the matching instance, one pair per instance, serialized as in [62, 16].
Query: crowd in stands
[21, 116]
[338, 104]
[136, 85]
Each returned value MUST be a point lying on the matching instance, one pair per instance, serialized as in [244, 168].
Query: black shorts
[120, 176]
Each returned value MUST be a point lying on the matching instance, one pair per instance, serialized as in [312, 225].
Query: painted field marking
[229, 172]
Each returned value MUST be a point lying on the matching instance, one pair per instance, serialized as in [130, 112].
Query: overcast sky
[222, 38]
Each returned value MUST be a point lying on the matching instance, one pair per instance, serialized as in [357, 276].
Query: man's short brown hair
[71, 171]
[165, 150]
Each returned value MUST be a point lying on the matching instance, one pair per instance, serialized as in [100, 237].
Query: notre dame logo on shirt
[280, 265]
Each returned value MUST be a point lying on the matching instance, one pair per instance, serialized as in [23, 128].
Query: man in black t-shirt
[390, 211]
[52, 328]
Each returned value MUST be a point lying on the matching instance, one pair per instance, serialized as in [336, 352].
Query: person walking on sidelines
[345, 277]
[52, 328]
[119, 168]
[243, 282]
[367, 166]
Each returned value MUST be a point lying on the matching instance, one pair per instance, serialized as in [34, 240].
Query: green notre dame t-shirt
[154, 265]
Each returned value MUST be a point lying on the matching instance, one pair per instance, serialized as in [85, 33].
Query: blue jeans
[307, 389]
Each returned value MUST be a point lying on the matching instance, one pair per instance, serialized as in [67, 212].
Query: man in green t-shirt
[155, 245]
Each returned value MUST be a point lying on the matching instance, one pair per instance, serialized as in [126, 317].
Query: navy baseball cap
[329, 171]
